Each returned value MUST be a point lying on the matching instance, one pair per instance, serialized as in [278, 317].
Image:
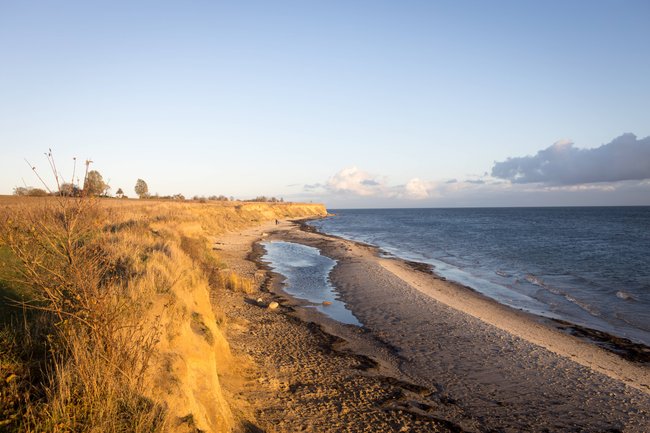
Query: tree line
[94, 185]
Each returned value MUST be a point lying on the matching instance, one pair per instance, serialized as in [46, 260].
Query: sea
[589, 266]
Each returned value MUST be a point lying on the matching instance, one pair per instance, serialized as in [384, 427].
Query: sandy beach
[432, 355]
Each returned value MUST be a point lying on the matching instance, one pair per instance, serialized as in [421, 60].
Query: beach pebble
[260, 302]
[273, 305]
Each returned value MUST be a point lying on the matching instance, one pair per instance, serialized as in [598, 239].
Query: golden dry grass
[121, 335]
[237, 283]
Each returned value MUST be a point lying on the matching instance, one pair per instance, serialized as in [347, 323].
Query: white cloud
[562, 143]
[416, 189]
[354, 182]
[351, 180]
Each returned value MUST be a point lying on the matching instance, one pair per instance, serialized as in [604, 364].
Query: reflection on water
[307, 277]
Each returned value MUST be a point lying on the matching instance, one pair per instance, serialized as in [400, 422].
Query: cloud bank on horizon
[356, 182]
[622, 165]
[624, 158]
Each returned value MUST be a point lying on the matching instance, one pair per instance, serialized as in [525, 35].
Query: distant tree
[69, 190]
[94, 184]
[141, 188]
[263, 198]
[29, 191]
[119, 193]
[38, 192]
[21, 190]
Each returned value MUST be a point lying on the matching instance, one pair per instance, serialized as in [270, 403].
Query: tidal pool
[307, 277]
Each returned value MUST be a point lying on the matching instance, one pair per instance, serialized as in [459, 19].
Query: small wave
[587, 307]
[533, 279]
[556, 291]
[502, 273]
[625, 296]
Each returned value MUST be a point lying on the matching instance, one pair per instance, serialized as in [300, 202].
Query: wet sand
[431, 356]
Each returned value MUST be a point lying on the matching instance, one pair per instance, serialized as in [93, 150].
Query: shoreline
[296, 371]
[632, 366]
[473, 366]
[629, 350]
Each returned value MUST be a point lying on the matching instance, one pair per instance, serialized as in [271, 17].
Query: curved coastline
[624, 347]
[616, 358]
[419, 361]
[583, 265]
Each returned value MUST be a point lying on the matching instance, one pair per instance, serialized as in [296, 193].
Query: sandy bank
[522, 325]
[430, 352]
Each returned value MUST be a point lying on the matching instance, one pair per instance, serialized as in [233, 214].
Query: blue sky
[354, 103]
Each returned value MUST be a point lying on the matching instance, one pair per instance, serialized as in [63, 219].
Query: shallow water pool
[307, 277]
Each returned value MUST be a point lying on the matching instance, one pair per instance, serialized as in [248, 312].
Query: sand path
[432, 356]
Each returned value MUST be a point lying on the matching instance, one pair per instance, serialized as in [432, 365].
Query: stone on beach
[273, 305]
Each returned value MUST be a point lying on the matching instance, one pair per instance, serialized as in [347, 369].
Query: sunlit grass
[116, 301]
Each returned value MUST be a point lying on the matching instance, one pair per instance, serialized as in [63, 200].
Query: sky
[351, 103]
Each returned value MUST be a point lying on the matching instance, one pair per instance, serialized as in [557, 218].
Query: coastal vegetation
[106, 318]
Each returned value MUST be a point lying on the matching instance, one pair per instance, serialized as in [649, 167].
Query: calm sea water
[589, 266]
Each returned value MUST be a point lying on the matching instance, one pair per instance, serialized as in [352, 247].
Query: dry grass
[119, 322]
[235, 282]
[91, 322]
